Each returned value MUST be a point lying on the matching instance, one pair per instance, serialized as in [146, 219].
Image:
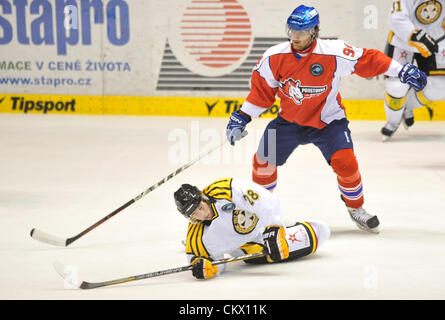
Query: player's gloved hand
[275, 241]
[203, 268]
[411, 75]
[235, 128]
[423, 42]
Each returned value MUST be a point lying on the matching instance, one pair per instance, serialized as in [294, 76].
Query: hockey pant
[344, 164]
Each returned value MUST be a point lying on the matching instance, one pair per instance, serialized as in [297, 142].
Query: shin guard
[264, 174]
[345, 165]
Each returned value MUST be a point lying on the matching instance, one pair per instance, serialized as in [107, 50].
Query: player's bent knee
[344, 163]
[395, 88]
[394, 103]
[395, 95]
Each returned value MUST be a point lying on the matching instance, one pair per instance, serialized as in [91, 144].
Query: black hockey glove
[203, 268]
[275, 241]
[421, 40]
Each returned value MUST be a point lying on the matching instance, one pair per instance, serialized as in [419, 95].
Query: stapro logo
[44, 106]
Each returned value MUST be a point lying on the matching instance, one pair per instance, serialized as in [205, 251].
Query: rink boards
[176, 106]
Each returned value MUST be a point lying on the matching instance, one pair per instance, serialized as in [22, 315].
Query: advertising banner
[156, 52]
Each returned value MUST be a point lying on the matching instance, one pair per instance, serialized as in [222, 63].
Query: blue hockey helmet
[303, 18]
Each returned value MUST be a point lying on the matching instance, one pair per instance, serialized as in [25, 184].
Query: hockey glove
[411, 75]
[423, 42]
[203, 268]
[275, 241]
[235, 127]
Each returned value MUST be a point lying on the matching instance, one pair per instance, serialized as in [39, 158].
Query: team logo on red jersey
[294, 90]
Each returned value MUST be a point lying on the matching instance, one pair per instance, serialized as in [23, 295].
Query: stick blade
[89, 285]
[69, 275]
[41, 236]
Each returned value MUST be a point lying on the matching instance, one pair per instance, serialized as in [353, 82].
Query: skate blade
[373, 230]
[385, 138]
[405, 125]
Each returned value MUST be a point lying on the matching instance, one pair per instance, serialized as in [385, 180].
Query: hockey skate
[364, 220]
[408, 118]
[408, 122]
[388, 130]
[386, 134]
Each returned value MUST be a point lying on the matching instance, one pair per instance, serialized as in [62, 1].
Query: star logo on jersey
[294, 90]
[403, 55]
[292, 237]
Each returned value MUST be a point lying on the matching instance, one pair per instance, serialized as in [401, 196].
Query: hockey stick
[440, 39]
[39, 235]
[67, 275]
[430, 110]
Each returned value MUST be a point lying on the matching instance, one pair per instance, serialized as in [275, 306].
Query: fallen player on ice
[237, 217]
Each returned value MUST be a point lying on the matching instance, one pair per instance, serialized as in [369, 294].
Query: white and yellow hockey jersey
[232, 226]
[408, 15]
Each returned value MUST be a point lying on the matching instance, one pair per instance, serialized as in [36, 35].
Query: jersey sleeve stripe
[190, 234]
[221, 195]
[195, 240]
[217, 187]
[195, 244]
[220, 189]
[252, 110]
[313, 236]
[215, 212]
[265, 72]
[200, 246]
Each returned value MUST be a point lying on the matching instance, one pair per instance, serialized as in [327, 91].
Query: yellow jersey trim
[437, 72]
[220, 189]
[194, 243]
[215, 212]
[313, 236]
[390, 36]
[252, 247]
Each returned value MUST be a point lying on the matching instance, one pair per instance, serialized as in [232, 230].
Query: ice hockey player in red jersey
[305, 73]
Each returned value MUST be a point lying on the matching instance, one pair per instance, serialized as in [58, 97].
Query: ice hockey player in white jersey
[237, 217]
[414, 25]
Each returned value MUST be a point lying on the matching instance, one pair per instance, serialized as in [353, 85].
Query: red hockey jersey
[308, 85]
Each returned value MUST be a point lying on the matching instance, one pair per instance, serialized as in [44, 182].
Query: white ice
[61, 174]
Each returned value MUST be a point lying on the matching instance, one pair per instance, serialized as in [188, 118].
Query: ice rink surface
[61, 174]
